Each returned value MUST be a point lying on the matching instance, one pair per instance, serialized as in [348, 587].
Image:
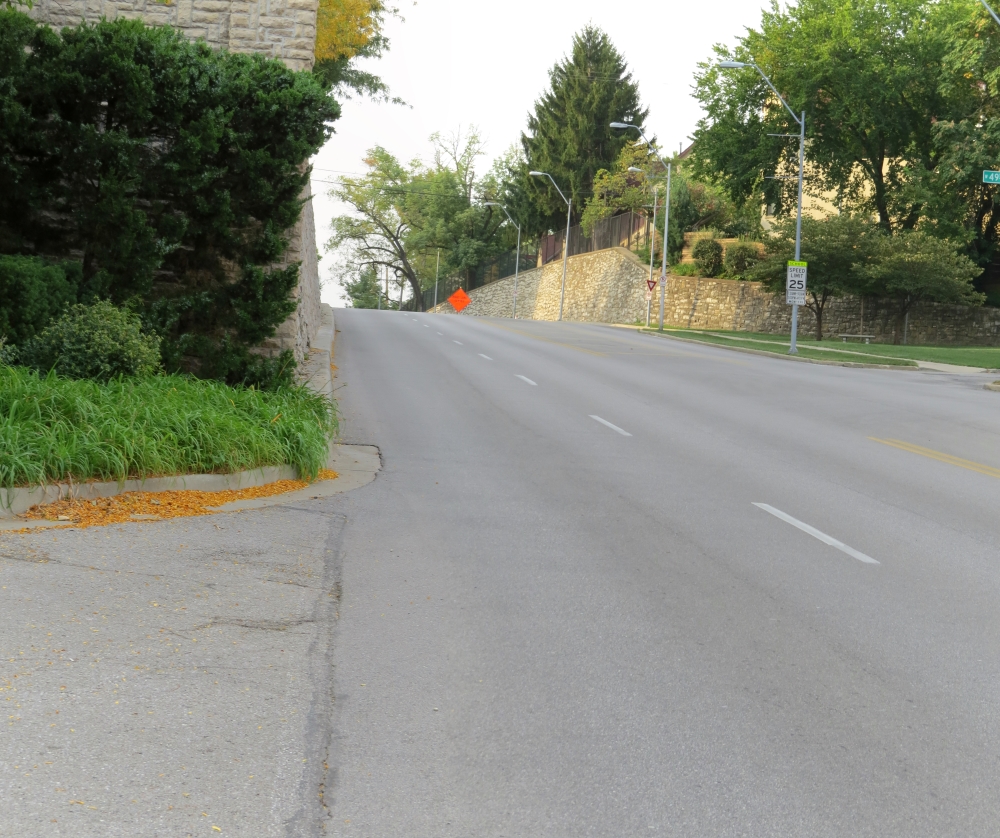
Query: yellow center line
[939, 456]
[546, 340]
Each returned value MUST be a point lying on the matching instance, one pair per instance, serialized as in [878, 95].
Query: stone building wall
[283, 29]
[609, 286]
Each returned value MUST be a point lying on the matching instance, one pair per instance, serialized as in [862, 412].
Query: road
[605, 584]
[551, 628]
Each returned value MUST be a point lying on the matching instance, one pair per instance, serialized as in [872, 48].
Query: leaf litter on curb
[157, 506]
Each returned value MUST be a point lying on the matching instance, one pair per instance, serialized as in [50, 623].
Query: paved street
[605, 584]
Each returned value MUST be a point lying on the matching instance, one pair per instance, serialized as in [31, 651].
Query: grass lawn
[779, 346]
[56, 429]
[987, 357]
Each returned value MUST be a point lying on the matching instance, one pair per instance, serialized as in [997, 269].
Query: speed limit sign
[795, 284]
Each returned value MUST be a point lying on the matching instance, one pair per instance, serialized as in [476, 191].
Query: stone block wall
[609, 286]
[283, 29]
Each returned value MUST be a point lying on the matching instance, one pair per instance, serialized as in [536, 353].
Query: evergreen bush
[707, 254]
[741, 257]
[174, 172]
[33, 293]
[98, 342]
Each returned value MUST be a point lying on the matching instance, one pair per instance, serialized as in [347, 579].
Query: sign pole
[793, 349]
[652, 247]
[666, 230]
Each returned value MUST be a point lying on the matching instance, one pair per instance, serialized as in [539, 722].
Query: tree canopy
[348, 30]
[404, 215]
[871, 76]
[569, 134]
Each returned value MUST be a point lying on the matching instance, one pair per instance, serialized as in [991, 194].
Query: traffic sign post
[795, 284]
[991, 176]
[795, 296]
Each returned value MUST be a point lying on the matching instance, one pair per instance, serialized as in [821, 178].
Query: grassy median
[57, 429]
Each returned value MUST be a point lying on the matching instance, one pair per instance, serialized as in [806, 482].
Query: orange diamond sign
[459, 300]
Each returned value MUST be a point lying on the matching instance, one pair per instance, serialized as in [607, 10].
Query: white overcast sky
[469, 62]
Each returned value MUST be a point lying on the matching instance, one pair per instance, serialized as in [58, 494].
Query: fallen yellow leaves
[157, 506]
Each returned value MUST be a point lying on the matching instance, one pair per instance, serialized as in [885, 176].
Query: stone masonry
[609, 286]
[283, 29]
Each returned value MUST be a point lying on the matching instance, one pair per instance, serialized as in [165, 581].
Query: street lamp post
[666, 213]
[569, 210]
[801, 121]
[517, 263]
[652, 240]
[437, 274]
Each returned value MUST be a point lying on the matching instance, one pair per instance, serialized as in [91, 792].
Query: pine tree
[569, 135]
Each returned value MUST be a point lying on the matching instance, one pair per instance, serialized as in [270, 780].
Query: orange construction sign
[459, 300]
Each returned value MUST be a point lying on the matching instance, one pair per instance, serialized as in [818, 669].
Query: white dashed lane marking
[608, 424]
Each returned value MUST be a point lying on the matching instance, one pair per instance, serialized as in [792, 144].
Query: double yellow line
[939, 456]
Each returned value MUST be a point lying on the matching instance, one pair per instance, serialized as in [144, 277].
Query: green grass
[778, 345]
[987, 357]
[57, 429]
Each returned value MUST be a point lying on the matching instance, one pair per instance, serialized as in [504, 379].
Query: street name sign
[795, 284]
[991, 176]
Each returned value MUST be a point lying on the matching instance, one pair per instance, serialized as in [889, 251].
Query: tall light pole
[437, 273]
[666, 213]
[652, 239]
[517, 263]
[569, 211]
[739, 65]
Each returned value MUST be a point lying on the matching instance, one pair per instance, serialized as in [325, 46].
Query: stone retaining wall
[283, 29]
[609, 287]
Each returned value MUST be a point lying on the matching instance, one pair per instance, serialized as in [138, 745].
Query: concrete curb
[852, 364]
[356, 464]
[995, 387]
[15, 501]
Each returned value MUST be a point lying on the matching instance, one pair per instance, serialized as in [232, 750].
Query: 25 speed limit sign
[795, 284]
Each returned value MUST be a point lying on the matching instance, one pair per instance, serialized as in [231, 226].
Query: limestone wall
[609, 287]
[284, 29]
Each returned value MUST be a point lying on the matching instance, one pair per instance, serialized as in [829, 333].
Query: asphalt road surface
[605, 584]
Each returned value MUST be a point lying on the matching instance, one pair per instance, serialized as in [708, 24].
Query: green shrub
[33, 293]
[707, 255]
[684, 269]
[56, 429]
[741, 257]
[99, 342]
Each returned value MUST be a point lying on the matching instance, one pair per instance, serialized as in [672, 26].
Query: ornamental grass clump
[59, 429]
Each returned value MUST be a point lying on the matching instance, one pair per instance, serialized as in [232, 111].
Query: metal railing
[631, 230]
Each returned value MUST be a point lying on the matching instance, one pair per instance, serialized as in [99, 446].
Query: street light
[652, 239]
[666, 214]
[517, 262]
[569, 210]
[987, 5]
[801, 121]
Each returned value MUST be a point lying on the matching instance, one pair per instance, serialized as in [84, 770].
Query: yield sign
[459, 300]
[651, 283]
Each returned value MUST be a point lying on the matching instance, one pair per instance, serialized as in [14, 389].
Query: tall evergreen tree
[569, 135]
